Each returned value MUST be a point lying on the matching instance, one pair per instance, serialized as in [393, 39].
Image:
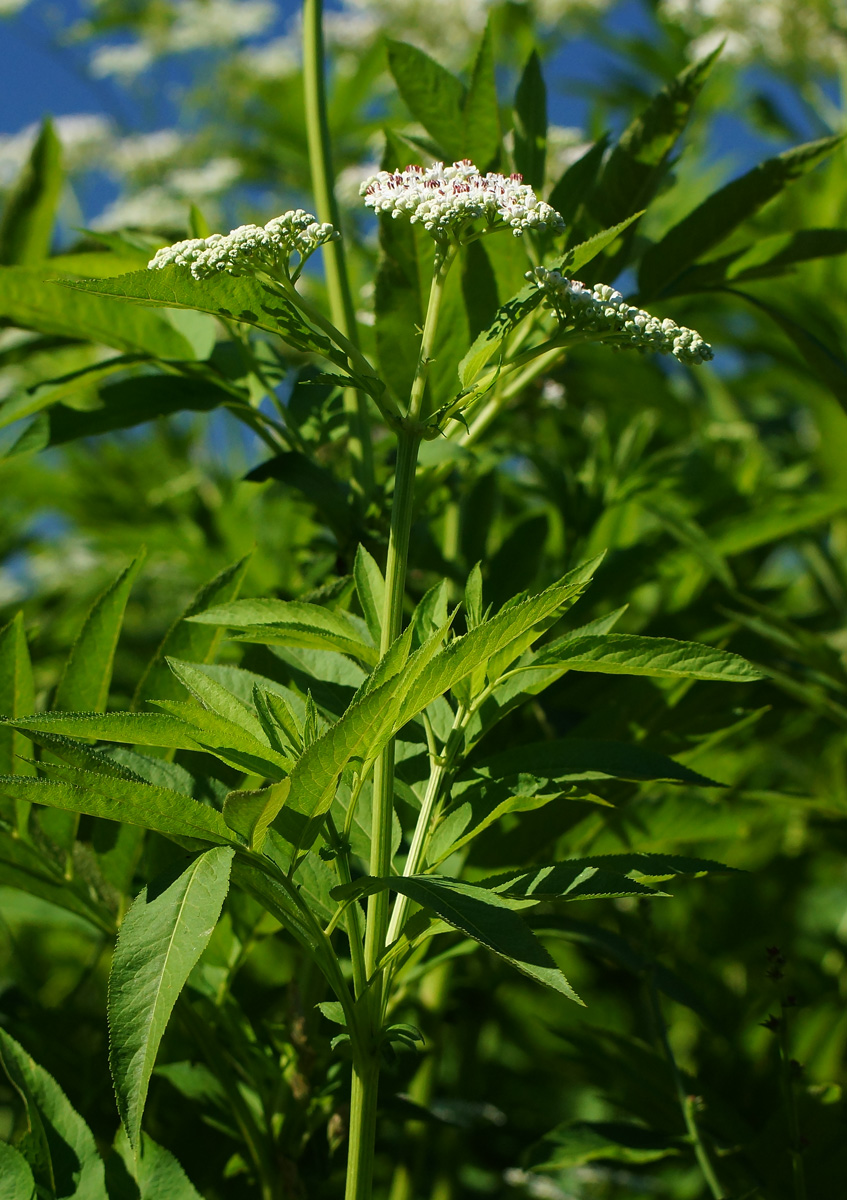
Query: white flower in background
[602, 310]
[812, 32]
[209, 180]
[250, 249]
[202, 23]
[141, 152]
[274, 60]
[450, 201]
[151, 208]
[124, 62]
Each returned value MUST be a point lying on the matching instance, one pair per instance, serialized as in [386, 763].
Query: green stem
[686, 1102]
[337, 280]
[444, 257]
[363, 1104]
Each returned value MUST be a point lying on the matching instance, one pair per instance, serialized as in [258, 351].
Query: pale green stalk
[363, 1099]
[337, 280]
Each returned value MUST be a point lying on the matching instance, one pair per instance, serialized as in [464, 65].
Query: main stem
[363, 1098]
[337, 280]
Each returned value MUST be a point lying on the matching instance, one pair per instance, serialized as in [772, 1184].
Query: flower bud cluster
[448, 200]
[603, 310]
[250, 248]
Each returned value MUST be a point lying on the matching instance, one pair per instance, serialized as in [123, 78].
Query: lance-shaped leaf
[530, 113]
[156, 1171]
[637, 164]
[17, 693]
[291, 623]
[577, 760]
[370, 588]
[485, 916]
[87, 677]
[481, 112]
[661, 658]
[16, 1179]
[580, 1142]
[232, 297]
[31, 302]
[194, 643]
[569, 194]
[713, 220]
[161, 938]
[224, 703]
[585, 252]
[507, 318]
[598, 876]
[121, 799]
[763, 259]
[26, 228]
[433, 95]
[58, 1145]
[22, 867]
[512, 627]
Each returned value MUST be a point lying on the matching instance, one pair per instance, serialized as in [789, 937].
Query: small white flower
[457, 202]
[250, 248]
[602, 310]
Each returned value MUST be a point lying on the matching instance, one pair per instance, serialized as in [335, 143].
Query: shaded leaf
[161, 938]
[292, 623]
[662, 658]
[432, 94]
[530, 115]
[26, 228]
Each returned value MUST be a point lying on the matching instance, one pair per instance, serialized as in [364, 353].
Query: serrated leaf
[217, 698]
[569, 195]
[87, 676]
[117, 798]
[584, 253]
[29, 301]
[576, 880]
[26, 228]
[577, 760]
[484, 916]
[512, 626]
[231, 297]
[507, 318]
[370, 588]
[16, 1181]
[481, 112]
[637, 164]
[250, 813]
[156, 1171]
[530, 115]
[59, 1146]
[23, 868]
[660, 658]
[763, 259]
[433, 95]
[291, 623]
[719, 214]
[17, 694]
[161, 939]
[188, 641]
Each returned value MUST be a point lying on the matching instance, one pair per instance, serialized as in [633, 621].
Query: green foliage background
[721, 499]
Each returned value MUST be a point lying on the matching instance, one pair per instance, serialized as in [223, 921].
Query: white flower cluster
[603, 310]
[250, 248]
[448, 200]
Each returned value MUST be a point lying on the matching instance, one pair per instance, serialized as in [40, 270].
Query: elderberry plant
[339, 795]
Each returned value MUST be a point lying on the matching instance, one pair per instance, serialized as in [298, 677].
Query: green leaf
[530, 116]
[763, 259]
[569, 194]
[432, 94]
[579, 256]
[24, 868]
[185, 640]
[482, 135]
[507, 318]
[638, 162]
[220, 700]
[370, 588]
[718, 215]
[580, 879]
[43, 395]
[161, 939]
[290, 623]
[512, 626]
[581, 1142]
[118, 798]
[131, 402]
[578, 760]
[484, 916]
[318, 484]
[661, 658]
[31, 302]
[157, 1173]
[16, 1181]
[26, 228]
[58, 1145]
[87, 676]
[231, 297]
[17, 694]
